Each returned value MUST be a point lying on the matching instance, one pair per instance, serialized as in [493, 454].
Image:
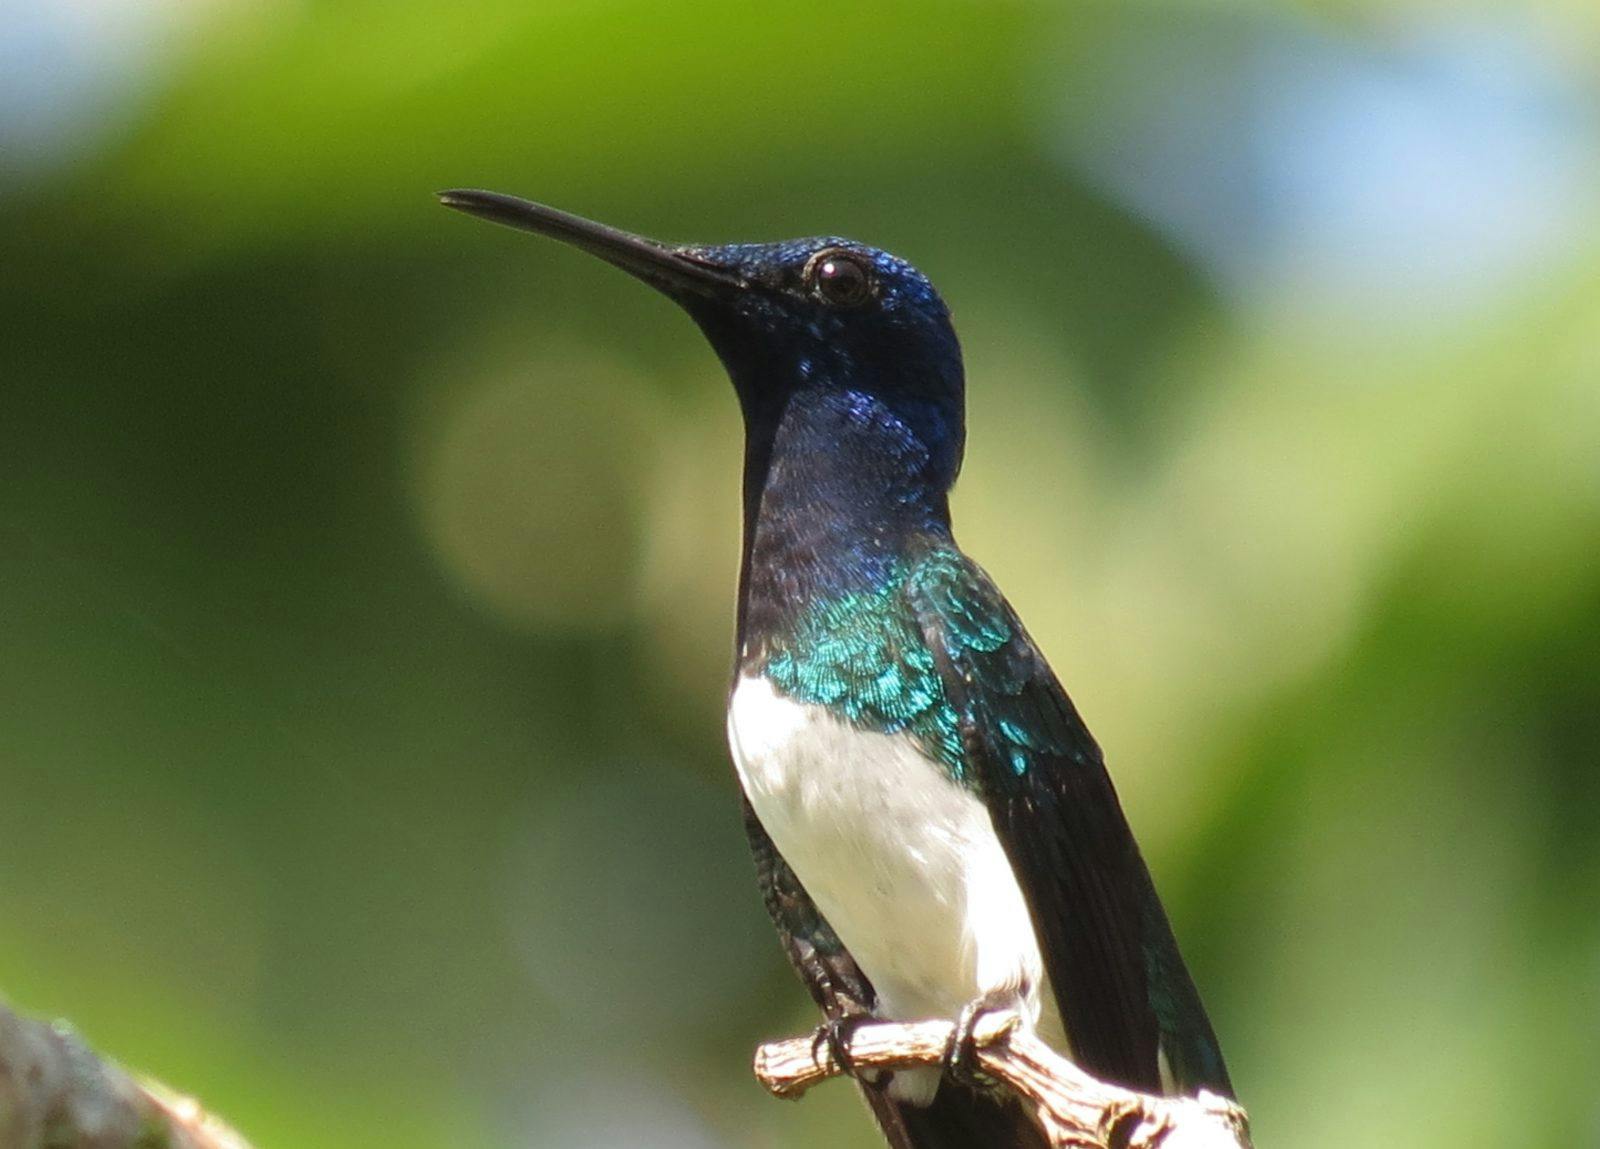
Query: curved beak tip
[470, 200]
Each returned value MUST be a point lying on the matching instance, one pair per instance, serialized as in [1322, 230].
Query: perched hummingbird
[933, 826]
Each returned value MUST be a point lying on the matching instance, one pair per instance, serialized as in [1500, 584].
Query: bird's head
[796, 316]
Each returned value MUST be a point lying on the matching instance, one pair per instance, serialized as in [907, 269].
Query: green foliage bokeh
[367, 580]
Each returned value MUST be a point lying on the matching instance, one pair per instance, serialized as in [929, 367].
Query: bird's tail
[957, 1118]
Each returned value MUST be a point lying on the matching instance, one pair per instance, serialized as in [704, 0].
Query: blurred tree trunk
[56, 1093]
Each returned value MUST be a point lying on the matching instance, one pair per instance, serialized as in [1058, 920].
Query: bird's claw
[834, 1035]
[960, 1061]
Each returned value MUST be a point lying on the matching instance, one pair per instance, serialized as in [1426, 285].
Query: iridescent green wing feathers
[934, 651]
[1120, 983]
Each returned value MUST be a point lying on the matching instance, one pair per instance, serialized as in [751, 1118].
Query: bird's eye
[839, 278]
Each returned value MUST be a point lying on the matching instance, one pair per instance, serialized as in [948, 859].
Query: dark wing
[958, 1117]
[1124, 994]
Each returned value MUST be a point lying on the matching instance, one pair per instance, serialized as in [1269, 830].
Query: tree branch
[1075, 1110]
[56, 1093]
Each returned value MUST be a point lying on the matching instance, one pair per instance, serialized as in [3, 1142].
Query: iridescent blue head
[828, 314]
[824, 321]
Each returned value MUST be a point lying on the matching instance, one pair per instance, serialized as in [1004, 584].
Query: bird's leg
[960, 1062]
[834, 1034]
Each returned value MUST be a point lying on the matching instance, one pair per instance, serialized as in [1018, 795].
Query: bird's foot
[834, 1036]
[960, 1062]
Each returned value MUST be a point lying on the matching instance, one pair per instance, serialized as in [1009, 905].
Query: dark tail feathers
[957, 1119]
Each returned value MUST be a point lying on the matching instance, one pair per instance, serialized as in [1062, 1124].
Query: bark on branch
[1075, 1110]
[56, 1093]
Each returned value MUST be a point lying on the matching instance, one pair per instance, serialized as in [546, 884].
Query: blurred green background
[366, 572]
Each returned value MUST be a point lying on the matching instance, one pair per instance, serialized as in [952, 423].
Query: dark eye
[839, 278]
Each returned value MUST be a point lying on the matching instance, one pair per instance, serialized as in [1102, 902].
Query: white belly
[903, 862]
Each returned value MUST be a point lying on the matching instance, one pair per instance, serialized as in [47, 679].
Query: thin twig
[1074, 1109]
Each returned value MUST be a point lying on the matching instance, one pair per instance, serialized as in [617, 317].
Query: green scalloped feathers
[865, 656]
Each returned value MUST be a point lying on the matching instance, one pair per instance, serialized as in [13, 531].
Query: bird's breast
[901, 859]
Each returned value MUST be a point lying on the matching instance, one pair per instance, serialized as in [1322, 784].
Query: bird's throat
[838, 493]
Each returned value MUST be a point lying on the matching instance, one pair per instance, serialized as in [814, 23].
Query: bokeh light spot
[531, 492]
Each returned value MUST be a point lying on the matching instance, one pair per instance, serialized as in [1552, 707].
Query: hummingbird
[933, 826]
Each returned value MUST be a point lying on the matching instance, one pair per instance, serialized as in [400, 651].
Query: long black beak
[674, 270]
